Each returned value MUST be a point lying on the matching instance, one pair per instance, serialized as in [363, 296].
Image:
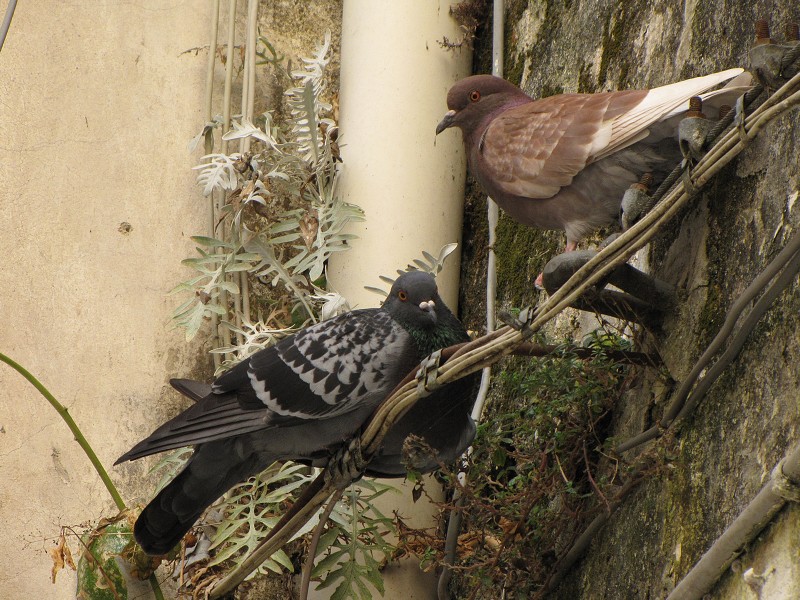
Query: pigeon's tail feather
[211, 471]
[213, 418]
[195, 390]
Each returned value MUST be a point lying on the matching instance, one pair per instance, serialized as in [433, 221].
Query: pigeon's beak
[429, 308]
[446, 122]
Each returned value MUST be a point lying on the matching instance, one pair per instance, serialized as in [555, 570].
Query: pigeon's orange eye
[402, 296]
[474, 95]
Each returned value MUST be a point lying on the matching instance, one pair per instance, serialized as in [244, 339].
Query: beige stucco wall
[97, 103]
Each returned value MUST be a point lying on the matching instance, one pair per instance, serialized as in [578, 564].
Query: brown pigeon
[564, 162]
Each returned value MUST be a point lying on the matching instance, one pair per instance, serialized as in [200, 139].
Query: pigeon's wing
[323, 372]
[662, 103]
[213, 418]
[196, 390]
[444, 423]
[535, 149]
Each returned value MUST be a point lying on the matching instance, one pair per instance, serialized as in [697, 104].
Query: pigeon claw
[520, 323]
[347, 465]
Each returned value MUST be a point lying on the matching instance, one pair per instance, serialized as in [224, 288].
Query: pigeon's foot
[347, 465]
[521, 322]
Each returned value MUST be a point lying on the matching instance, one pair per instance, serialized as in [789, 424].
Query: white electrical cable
[492, 215]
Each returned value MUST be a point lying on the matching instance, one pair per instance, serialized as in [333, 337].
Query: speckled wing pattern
[325, 370]
[535, 149]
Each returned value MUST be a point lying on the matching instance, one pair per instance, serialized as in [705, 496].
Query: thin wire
[252, 35]
[226, 125]
[680, 407]
[209, 148]
[492, 215]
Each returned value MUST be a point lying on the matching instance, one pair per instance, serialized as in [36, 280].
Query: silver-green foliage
[428, 263]
[354, 548]
[294, 162]
[251, 511]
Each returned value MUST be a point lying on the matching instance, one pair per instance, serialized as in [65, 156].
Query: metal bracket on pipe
[644, 299]
[783, 486]
[427, 373]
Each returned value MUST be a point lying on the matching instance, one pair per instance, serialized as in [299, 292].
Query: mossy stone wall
[711, 252]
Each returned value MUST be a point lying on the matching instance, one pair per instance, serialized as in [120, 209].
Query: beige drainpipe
[394, 80]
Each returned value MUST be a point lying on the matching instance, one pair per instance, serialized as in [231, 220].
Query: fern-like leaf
[218, 173]
[429, 263]
[356, 533]
[252, 509]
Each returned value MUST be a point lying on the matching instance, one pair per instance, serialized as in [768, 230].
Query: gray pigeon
[303, 398]
[563, 162]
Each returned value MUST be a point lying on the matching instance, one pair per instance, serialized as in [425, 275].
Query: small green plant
[354, 548]
[251, 511]
[428, 263]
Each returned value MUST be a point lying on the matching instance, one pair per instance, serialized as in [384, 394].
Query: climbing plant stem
[64, 413]
[98, 466]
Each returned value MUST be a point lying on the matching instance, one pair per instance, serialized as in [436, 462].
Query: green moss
[711, 315]
[615, 34]
[551, 90]
[514, 10]
[700, 38]
[687, 522]
[586, 82]
[522, 253]
[513, 72]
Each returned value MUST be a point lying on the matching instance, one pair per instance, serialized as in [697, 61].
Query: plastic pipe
[409, 182]
[12, 4]
[782, 486]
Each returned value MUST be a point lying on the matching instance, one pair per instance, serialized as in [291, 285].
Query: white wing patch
[660, 103]
[263, 394]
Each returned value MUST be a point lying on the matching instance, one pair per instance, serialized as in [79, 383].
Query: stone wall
[711, 252]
